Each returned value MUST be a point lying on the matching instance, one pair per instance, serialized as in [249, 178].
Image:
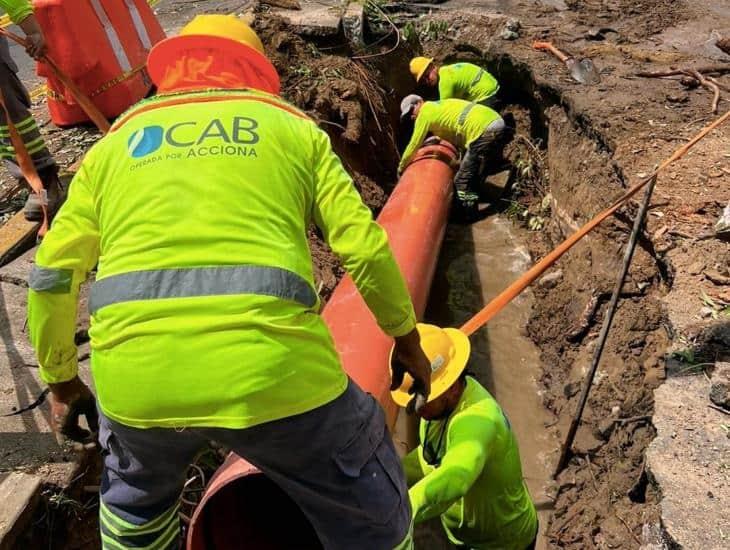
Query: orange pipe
[242, 508]
[415, 220]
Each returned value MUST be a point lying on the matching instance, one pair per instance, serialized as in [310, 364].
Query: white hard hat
[408, 103]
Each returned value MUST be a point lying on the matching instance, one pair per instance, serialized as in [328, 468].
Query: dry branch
[698, 74]
[707, 69]
[718, 83]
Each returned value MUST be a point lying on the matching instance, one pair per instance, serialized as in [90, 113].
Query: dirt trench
[605, 497]
[562, 168]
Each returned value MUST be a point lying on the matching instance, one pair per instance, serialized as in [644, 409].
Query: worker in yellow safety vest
[17, 107]
[467, 467]
[457, 81]
[204, 314]
[475, 129]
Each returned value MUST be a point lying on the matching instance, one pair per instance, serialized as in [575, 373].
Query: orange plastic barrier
[241, 507]
[102, 46]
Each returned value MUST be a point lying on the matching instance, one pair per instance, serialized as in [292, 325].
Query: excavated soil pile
[346, 99]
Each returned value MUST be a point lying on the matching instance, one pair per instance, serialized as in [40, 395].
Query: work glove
[408, 357]
[69, 401]
[35, 43]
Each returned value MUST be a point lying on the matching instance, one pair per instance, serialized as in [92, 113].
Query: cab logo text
[188, 139]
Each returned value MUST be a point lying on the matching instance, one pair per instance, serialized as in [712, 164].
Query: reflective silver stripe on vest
[465, 113]
[477, 78]
[144, 38]
[112, 36]
[55, 281]
[201, 281]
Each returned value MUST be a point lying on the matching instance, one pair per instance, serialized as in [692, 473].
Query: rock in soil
[720, 388]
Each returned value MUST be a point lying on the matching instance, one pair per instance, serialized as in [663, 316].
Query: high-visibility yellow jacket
[466, 81]
[204, 312]
[17, 9]
[457, 121]
[474, 478]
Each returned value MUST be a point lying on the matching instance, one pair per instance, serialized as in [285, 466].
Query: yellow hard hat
[227, 33]
[448, 351]
[224, 26]
[419, 65]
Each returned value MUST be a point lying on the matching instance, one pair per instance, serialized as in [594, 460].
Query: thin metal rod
[565, 452]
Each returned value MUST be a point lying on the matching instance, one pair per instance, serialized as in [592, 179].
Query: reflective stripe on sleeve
[465, 113]
[55, 281]
[477, 78]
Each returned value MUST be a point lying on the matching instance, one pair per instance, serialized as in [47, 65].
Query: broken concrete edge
[27, 490]
[683, 420]
[17, 236]
[328, 20]
[19, 494]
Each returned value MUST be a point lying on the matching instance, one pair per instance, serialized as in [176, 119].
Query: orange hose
[507, 295]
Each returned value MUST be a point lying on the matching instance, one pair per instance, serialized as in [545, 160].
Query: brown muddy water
[476, 263]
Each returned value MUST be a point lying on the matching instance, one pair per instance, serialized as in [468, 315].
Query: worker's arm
[65, 257]
[420, 130]
[17, 9]
[412, 468]
[21, 13]
[447, 88]
[469, 440]
[361, 244]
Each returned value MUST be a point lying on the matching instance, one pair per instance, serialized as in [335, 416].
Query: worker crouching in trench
[204, 317]
[467, 468]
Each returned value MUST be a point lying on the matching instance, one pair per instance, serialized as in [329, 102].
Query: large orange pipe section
[415, 219]
[241, 507]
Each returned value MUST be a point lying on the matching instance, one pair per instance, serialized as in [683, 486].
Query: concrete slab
[16, 236]
[495, 186]
[18, 271]
[14, 345]
[318, 19]
[19, 494]
[696, 37]
[26, 439]
[690, 460]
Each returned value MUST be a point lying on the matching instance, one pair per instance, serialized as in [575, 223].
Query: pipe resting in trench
[241, 507]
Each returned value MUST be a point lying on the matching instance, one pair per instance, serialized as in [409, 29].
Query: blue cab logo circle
[144, 141]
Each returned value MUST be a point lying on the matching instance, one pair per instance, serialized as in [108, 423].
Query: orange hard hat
[224, 32]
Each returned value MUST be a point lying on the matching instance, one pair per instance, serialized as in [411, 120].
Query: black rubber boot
[55, 195]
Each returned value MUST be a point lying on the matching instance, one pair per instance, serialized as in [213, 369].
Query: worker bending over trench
[204, 314]
[467, 467]
[475, 129]
[458, 81]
